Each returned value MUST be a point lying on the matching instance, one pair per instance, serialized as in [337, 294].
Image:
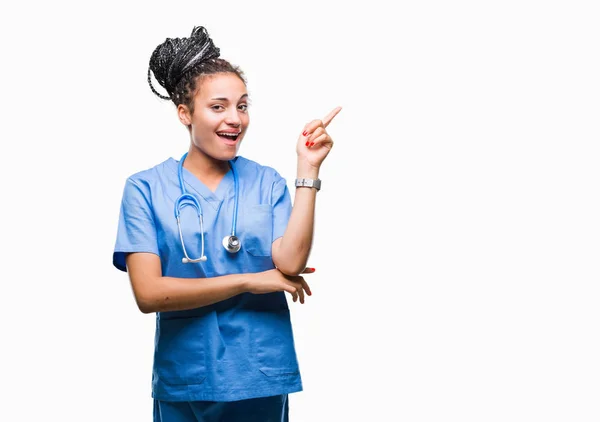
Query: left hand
[315, 143]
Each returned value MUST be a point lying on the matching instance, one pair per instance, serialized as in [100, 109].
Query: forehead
[221, 85]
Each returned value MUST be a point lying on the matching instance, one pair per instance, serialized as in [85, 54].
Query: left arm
[290, 253]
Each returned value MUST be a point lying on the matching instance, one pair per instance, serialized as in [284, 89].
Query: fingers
[311, 128]
[323, 140]
[299, 288]
[306, 287]
[318, 131]
[291, 289]
[301, 294]
[308, 270]
[302, 288]
[295, 294]
[327, 119]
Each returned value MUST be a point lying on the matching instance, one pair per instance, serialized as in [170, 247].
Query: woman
[211, 243]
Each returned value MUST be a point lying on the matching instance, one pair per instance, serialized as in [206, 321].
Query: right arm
[155, 293]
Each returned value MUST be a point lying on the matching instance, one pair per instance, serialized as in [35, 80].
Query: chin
[229, 155]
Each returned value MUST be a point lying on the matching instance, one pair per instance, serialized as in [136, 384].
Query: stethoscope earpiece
[231, 243]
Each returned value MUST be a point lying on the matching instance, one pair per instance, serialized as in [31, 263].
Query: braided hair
[178, 62]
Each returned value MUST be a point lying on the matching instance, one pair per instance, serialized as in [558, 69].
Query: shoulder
[148, 183]
[249, 167]
[153, 174]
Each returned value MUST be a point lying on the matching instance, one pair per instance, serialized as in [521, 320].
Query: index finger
[330, 116]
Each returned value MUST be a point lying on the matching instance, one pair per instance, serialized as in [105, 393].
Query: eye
[243, 107]
[217, 107]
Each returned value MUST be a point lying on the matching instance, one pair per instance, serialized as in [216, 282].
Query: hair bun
[175, 56]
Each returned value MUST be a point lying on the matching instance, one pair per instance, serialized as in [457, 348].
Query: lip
[229, 142]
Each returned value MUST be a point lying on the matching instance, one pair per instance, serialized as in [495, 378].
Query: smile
[230, 138]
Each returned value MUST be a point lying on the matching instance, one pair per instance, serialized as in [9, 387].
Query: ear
[183, 112]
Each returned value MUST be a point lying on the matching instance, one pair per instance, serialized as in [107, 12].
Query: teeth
[232, 135]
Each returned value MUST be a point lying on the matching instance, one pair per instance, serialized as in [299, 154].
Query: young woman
[211, 243]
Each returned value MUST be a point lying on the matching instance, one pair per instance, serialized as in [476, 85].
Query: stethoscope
[231, 243]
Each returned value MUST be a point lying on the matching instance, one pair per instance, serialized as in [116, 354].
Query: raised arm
[155, 293]
[290, 252]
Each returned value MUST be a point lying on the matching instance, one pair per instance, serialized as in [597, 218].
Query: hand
[275, 281]
[315, 143]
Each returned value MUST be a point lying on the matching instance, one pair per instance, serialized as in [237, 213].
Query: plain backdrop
[457, 231]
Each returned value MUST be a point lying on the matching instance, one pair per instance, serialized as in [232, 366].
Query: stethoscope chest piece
[231, 243]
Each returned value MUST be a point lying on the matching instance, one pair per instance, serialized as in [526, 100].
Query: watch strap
[308, 183]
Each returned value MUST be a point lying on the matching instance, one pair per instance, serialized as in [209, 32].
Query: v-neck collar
[214, 199]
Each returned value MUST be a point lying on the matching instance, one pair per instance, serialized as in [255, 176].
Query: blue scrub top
[239, 348]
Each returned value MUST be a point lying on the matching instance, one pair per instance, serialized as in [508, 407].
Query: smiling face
[220, 117]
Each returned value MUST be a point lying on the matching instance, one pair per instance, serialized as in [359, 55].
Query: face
[220, 117]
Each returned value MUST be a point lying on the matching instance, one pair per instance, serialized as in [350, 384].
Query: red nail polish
[304, 133]
[312, 269]
[311, 144]
[306, 143]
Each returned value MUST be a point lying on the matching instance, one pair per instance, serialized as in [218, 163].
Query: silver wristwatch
[309, 183]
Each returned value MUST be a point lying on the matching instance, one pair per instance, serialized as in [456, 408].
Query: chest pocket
[257, 231]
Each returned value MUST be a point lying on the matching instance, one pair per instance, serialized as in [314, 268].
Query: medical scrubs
[262, 409]
[237, 349]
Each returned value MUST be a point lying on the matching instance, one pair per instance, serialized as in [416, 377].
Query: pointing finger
[331, 115]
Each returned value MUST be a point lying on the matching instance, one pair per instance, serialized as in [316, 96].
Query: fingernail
[311, 144]
[306, 143]
[312, 269]
[304, 133]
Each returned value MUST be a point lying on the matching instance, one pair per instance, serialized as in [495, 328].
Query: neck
[208, 170]
[204, 166]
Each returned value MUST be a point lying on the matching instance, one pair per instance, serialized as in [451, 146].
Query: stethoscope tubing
[185, 196]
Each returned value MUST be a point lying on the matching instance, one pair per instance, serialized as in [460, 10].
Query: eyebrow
[226, 99]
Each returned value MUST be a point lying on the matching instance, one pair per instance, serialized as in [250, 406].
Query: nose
[233, 118]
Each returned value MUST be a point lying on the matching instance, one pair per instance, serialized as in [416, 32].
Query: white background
[457, 233]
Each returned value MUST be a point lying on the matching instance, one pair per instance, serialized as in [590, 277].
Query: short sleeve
[282, 207]
[136, 231]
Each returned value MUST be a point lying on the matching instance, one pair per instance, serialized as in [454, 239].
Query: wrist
[306, 170]
[246, 282]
